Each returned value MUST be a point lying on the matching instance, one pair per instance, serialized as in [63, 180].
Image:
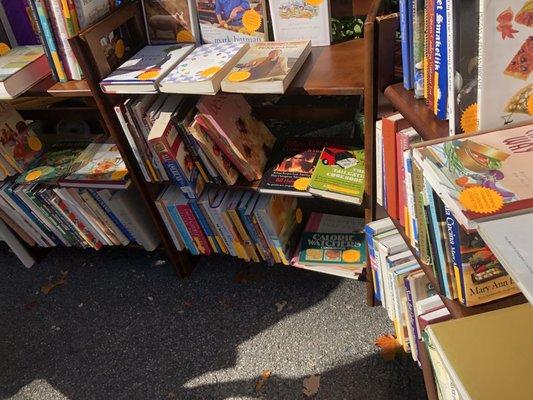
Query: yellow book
[233, 214]
[488, 356]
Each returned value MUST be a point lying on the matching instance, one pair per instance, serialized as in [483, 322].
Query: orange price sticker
[120, 49]
[184, 36]
[469, 122]
[315, 3]
[351, 256]
[530, 105]
[238, 76]
[118, 175]
[208, 72]
[299, 216]
[481, 200]
[34, 143]
[33, 175]
[4, 49]
[251, 20]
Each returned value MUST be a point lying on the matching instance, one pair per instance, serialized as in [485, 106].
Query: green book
[340, 174]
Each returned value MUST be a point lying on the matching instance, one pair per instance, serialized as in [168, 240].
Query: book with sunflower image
[142, 72]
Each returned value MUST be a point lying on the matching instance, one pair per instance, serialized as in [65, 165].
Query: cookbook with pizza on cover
[505, 82]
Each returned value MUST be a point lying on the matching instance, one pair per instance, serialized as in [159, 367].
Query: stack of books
[68, 193]
[453, 53]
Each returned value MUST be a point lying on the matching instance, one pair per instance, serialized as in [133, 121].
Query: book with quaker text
[340, 174]
[505, 83]
[143, 72]
[202, 71]
[224, 21]
[267, 67]
[481, 176]
[245, 140]
[171, 21]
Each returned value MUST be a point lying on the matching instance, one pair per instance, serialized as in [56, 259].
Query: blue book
[406, 46]
[205, 225]
[111, 215]
[187, 238]
[441, 60]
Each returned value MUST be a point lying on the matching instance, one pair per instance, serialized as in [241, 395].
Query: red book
[391, 125]
[194, 229]
[404, 138]
[440, 315]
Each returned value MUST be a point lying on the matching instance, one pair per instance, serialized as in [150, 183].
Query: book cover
[333, 240]
[484, 175]
[238, 132]
[171, 21]
[340, 174]
[145, 69]
[53, 164]
[17, 59]
[295, 162]
[19, 144]
[505, 82]
[118, 46]
[301, 20]
[88, 11]
[18, 13]
[267, 67]
[232, 21]
[99, 165]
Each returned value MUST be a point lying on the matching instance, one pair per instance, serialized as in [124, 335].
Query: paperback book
[171, 21]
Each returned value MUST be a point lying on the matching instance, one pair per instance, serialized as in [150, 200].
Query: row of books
[215, 139]
[411, 301]
[469, 60]
[454, 196]
[266, 67]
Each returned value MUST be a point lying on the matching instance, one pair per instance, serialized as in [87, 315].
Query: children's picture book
[267, 67]
[301, 20]
[340, 174]
[117, 46]
[202, 70]
[505, 82]
[223, 21]
[143, 72]
[88, 11]
[53, 164]
[245, 140]
[333, 241]
[99, 166]
[171, 21]
[481, 176]
[295, 161]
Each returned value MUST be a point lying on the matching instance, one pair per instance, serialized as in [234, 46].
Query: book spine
[455, 247]
[238, 244]
[451, 48]
[430, 10]
[438, 253]
[404, 33]
[20, 23]
[177, 239]
[45, 197]
[182, 229]
[410, 198]
[380, 261]
[221, 226]
[391, 178]
[248, 245]
[218, 236]
[253, 235]
[44, 42]
[402, 143]
[202, 220]
[418, 48]
[102, 203]
[74, 15]
[22, 223]
[61, 34]
[48, 38]
[85, 233]
[369, 233]
[411, 316]
[110, 229]
[194, 229]
[271, 236]
[441, 61]
[418, 189]
[67, 18]
[480, 62]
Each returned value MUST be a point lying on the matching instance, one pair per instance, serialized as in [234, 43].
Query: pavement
[122, 326]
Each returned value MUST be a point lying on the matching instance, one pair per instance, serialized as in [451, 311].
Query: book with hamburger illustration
[505, 82]
[267, 67]
[481, 176]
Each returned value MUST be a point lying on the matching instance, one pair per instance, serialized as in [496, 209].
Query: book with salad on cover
[340, 174]
[267, 67]
[295, 161]
[53, 164]
[481, 176]
[143, 72]
[99, 166]
[171, 21]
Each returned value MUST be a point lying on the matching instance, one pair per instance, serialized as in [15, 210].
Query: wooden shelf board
[416, 112]
[49, 87]
[332, 70]
[456, 309]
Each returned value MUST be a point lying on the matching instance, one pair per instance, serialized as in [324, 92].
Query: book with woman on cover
[267, 67]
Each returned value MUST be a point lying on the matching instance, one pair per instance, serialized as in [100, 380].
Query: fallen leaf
[150, 298]
[32, 305]
[389, 346]
[187, 303]
[226, 303]
[172, 396]
[311, 385]
[281, 305]
[262, 381]
[48, 287]
[158, 263]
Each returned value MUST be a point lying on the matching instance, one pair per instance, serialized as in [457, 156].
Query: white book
[301, 20]
[143, 72]
[16, 246]
[510, 240]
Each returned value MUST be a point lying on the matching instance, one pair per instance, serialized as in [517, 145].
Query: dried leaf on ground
[281, 305]
[389, 346]
[48, 287]
[311, 385]
[262, 381]
[172, 396]
[226, 303]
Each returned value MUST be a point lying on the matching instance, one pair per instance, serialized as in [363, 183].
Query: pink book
[244, 139]
[194, 229]
[440, 315]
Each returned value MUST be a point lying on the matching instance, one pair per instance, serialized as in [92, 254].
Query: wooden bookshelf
[49, 87]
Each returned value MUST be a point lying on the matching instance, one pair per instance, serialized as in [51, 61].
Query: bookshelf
[49, 87]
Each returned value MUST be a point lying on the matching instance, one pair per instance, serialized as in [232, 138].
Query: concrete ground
[124, 327]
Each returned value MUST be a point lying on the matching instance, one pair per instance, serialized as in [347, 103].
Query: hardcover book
[301, 20]
[505, 82]
[143, 72]
[171, 21]
[88, 11]
[244, 139]
[18, 13]
[267, 67]
[340, 174]
[202, 71]
[226, 21]
[481, 176]
[100, 165]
